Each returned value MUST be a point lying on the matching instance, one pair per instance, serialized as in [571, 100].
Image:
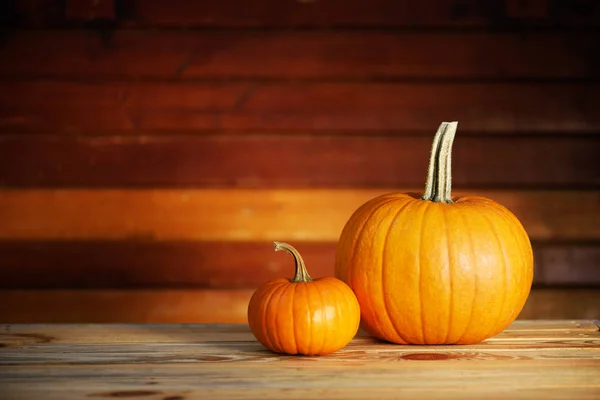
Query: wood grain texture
[216, 306]
[189, 264]
[21, 335]
[76, 96]
[355, 54]
[139, 264]
[177, 362]
[137, 306]
[252, 215]
[548, 303]
[185, 347]
[101, 107]
[355, 13]
[566, 265]
[293, 161]
[86, 11]
[335, 13]
[81, 54]
[494, 380]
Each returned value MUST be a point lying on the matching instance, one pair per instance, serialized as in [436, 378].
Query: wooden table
[531, 359]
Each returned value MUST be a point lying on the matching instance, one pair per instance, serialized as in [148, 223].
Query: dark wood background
[150, 154]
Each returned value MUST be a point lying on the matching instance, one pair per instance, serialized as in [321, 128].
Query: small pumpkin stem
[439, 175]
[301, 274]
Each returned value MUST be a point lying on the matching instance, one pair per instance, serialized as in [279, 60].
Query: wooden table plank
[23, 334]
[529, 360]
[415, 380]
[366, 351]
[124, 344]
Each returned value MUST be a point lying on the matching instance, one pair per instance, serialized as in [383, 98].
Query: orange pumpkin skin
[435, 273]
[311, 318]
[436, 270]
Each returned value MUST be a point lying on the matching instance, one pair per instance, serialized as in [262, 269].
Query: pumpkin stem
[301, 274]
[439, 175]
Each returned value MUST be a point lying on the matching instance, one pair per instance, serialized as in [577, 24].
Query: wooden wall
[150, 156]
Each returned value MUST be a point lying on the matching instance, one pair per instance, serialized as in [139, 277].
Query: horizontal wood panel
[217, 306]
[566, 265]
[85, 54]
[550, 303]
[159, 306]
[82, 107]
[82, 96]
[122, 264]
[141, 264]
[333, 13]
[298, 54]
[356, 13]
[252, 215]
[294, 161]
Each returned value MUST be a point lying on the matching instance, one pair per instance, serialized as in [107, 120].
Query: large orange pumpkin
[302, 315]
[436, 269]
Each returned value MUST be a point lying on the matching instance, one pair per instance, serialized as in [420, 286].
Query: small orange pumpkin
[303, 316]
[436, 270]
